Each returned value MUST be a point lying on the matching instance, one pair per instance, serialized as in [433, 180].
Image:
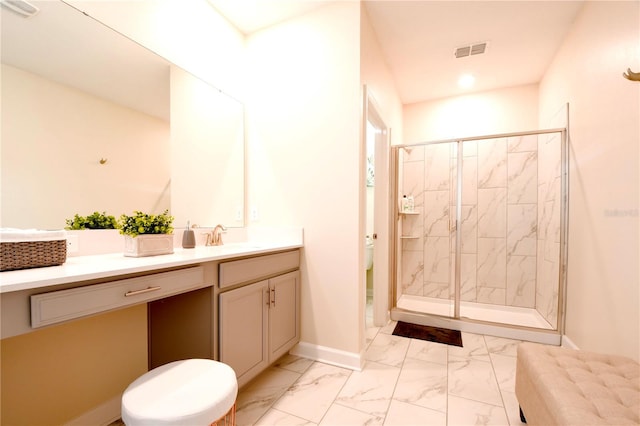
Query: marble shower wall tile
[436, 214]
[412, 225]
[492, 296]
[469, 181]
[492, 212]
[468, 229]
[436, 260]
[412, 277]
[468, 273]
[548, 269]
[492, 164]
[437, 167]
[521, 233]
[522, 143]
[492, 261]
[412, 182]
[522, 177]
[436, 290]
[521, 281]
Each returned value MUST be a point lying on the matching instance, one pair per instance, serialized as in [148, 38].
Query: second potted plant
[147, 234]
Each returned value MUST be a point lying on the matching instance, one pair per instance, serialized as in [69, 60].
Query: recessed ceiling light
[466, 81]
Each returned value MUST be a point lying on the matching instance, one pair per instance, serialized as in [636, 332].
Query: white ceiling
[418, 38]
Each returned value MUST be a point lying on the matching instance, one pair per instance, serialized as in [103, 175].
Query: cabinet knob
[375, 236]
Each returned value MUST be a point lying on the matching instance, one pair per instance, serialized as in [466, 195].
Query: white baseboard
[350, 360]
[568, 343]
[103, 414]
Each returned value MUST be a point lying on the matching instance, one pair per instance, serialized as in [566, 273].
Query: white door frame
[381, 255]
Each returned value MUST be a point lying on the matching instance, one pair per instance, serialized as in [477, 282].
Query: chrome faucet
[215, 237]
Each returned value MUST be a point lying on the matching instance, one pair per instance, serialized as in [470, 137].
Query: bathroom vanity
[237, 303]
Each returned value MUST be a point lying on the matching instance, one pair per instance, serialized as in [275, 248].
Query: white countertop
[82, 268]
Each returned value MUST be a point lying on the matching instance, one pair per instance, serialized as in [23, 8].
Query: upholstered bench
[559, 386]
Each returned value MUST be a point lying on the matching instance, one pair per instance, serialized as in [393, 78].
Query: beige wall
[603, 297]
[375, 73]
[43, 153]
[514, 109]
[55, 374]
[304, 133]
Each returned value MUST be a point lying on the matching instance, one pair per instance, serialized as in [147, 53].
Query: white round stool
[189, 392]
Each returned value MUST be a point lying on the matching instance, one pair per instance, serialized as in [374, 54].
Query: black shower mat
[425, 332]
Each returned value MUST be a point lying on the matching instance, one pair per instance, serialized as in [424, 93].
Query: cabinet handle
[273, 296]
[267, 296]
[144, 290]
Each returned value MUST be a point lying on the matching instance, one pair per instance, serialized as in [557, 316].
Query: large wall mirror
[92, 121]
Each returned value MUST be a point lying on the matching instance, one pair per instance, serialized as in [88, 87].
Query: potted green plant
[147, 234]
[96, 220]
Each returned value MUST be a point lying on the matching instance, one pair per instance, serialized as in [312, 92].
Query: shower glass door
[486, 239]
[427, 234]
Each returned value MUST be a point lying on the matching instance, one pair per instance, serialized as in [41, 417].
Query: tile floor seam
[395, 386]
[335, 398]
[495, 375]
[458, 409]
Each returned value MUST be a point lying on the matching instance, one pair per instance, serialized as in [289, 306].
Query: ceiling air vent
[20, 7]
[474, 49]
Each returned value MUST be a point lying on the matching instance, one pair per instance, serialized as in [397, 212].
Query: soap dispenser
[188, 237]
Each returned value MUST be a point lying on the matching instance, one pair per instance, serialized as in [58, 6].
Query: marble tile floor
[404, 382]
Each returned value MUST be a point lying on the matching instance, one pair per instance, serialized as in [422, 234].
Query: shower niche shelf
[402, 215]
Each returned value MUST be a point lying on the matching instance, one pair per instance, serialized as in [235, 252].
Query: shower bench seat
[559, 386]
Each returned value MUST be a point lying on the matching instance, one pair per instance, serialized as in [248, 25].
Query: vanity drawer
[64, 305]
[256, 268]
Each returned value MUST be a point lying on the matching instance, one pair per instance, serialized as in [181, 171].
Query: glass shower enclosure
[486, 239]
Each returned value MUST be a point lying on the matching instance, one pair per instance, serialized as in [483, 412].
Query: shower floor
[510, 315]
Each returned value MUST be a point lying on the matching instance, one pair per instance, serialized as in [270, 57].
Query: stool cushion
[560, 386]
[188, 392]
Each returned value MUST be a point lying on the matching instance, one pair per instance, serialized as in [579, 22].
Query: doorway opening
[377, 216]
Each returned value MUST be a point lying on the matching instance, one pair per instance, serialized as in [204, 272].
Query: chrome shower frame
[457, 322]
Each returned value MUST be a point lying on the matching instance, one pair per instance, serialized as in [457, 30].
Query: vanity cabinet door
[284, 314]
[243, 329]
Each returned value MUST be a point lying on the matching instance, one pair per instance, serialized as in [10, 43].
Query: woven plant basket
[32, 254]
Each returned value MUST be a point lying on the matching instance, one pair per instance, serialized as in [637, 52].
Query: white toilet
[369, 247]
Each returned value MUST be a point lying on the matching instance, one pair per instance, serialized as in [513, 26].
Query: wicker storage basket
[32, 254]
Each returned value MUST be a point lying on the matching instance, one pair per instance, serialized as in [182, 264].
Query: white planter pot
[148, 245]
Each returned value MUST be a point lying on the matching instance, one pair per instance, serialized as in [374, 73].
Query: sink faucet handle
[217, 235]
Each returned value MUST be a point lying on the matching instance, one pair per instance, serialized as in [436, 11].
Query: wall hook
[103, 161]
[630, 75]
